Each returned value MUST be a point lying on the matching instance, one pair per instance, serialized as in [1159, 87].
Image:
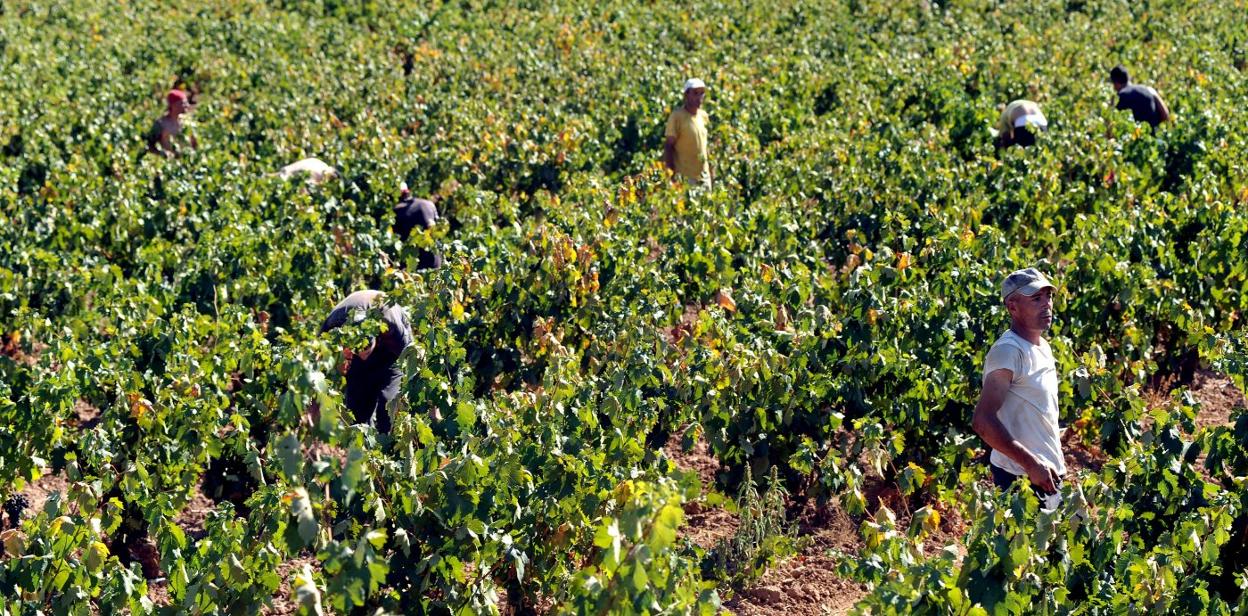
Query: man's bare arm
[988, 426]
[669, 153]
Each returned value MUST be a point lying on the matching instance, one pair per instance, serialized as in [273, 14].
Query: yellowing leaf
[306, 594]
[139, 407]
[95, 555]
[14, 542]
[725, 301]
[623, 491]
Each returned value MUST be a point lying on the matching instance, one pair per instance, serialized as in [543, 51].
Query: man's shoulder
[1008, 338]
[1136, 91]
[1011, 341]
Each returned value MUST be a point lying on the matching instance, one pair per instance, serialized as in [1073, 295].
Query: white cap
[403, 187]
[1036, 119]
[694, 84]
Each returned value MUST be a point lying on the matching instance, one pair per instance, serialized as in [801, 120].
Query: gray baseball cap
[1025, 281]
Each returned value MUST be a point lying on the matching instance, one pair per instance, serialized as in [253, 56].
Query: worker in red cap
[168, 133]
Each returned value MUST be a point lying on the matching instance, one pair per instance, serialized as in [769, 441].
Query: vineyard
[623, 395]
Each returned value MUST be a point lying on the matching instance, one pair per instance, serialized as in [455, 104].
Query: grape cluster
[14, 505]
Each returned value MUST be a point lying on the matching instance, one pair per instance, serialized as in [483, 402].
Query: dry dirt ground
[1218, 396]
[804, 584]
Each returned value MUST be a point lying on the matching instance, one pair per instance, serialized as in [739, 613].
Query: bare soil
[283, 601]
[193, 516]
[158, 592]
[86, 416]
[1218, 397]
[804, 584]
[12, 346]
[1081, 456]
[807, 583]
[37, 492]
[704, 525]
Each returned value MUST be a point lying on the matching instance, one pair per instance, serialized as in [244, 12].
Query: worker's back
[1142, 101]
[410, 214]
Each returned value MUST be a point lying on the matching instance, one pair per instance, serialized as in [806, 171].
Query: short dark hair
[1118, 74]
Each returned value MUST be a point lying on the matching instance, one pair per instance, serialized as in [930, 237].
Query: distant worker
[318, 172]
[410, 213]
[1017, 412]
[168, 135]
[1143, 101]
[1016, 124]
[685, 147]
[373, 374]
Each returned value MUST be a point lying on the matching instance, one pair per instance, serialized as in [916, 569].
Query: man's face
[177, 107]
[1118, 85]
[694, 97]
[1033, 312]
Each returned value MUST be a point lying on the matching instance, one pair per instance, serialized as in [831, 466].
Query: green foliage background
[860, 221]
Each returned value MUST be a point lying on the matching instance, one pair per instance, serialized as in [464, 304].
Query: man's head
[695, 92]
[1028, 297]
[178, 101]
[1119, 77]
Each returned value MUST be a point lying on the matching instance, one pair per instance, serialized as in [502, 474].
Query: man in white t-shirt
[1017, 410]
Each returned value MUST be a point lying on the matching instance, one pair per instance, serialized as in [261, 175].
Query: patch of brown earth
[37, 492]
[1081, 456]
[317, 451]
[11, 346]
[284, 600]
[1218, 397]
[508, 607]
[195, 513]
[704, 524]
[807, 583]
[158, 592]
[86, 416]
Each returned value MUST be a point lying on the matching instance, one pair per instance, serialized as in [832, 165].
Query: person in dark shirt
[410, 213]
[373, 374]
[1144, 102]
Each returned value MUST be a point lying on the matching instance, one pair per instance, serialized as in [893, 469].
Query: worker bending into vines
[1017, 411]
[410, 213]
[168, 134]
[1144, 102]
[685, 144]
[372, 372]
[1019, 121]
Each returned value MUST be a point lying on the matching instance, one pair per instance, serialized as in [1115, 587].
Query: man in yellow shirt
[684, 150]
